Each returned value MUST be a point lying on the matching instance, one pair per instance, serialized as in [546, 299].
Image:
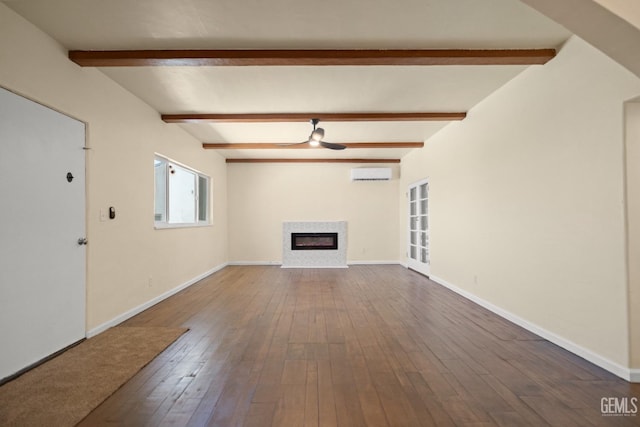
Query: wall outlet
[150, 282]
[103, 214]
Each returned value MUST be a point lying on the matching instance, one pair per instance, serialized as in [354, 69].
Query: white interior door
[418, 251]
[42, 218]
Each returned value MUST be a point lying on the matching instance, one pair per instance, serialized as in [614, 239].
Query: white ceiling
[301, 24]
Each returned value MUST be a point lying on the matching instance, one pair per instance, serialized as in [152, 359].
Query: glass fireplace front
[314, 241]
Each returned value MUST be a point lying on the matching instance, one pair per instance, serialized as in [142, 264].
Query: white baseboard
[382, 262]
[632, 375]
[314, 266]
[374, 262]
[254, 263]
[136, 310]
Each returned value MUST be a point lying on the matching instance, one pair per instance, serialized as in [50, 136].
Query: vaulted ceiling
[355, 64]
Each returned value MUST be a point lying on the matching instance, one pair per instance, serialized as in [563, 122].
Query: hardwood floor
[368, 345]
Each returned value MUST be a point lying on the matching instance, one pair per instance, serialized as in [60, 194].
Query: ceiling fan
[315, 138]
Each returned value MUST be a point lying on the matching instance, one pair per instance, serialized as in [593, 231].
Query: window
[181, 195]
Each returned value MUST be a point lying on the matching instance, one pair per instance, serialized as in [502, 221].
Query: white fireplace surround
[321, 258]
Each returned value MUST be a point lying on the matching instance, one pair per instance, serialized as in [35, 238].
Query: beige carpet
[62, 391]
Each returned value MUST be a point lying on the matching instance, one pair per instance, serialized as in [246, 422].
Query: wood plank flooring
[364, 346]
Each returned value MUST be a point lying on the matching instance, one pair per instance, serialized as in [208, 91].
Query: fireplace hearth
[314, 241]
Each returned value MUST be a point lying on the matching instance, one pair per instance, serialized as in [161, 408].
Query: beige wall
[633, 221]
[629, 10]
[526, 200]
[609, 25]
[262, 196]
[129, 263]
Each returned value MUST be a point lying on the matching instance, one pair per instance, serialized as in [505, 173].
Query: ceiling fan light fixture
[317, 135]
[315, 139]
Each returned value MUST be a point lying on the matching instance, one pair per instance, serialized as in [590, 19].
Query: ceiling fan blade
[332, 146]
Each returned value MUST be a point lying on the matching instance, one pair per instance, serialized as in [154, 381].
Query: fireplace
[314, 244]
[314, 241]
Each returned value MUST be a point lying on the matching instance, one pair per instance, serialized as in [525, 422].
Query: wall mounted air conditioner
[370, 174]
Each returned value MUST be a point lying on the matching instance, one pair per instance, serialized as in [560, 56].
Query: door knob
[82, 241]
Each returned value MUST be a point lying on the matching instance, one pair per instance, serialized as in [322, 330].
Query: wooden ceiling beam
[305, 117]
[309, 57]
[274, 146]
[313, 160]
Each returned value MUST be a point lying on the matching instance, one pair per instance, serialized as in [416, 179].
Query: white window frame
[165, 222]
